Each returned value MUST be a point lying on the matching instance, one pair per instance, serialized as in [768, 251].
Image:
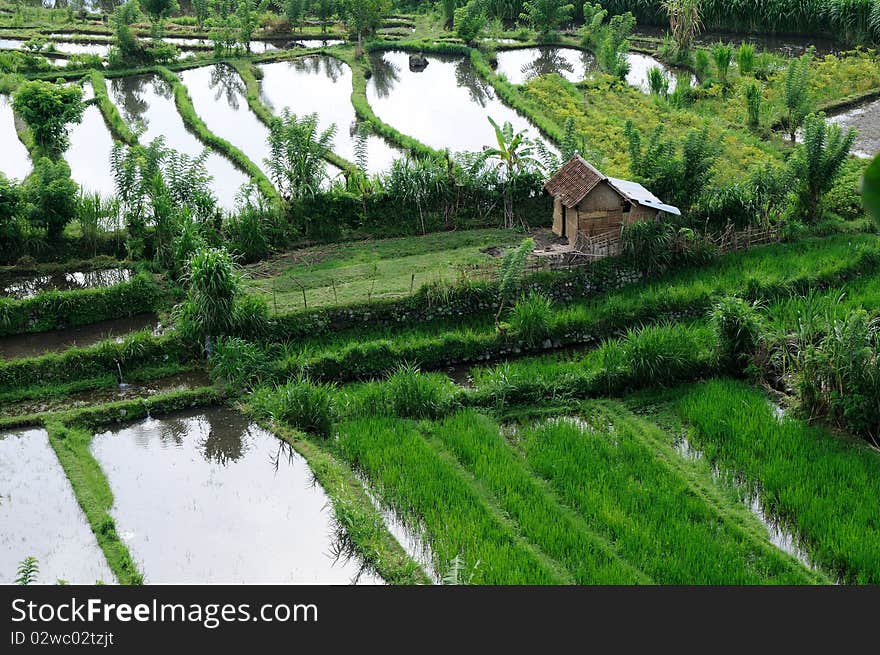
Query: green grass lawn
[355, 272]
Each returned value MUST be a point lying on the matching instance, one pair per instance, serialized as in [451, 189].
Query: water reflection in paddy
[219, 97]
[148, 101]
[90, 147]
[27, 287]
[15, 162]
[445, 106]
[322, 84]
[206, 496]
[521, 65]
[40, 517]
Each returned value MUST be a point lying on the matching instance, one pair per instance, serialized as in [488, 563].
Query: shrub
[238, 364]
[409, 393]
[530, 318]
[738, 325]
[647, 245]
[300, 403]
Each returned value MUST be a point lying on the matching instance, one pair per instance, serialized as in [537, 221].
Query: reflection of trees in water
[549, 60]
[227, 436]
[329, 66]
[128, 93]
[385, 75]
[466, 76]
[228, 83]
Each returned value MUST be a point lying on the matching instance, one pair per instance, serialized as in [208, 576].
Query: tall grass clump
[753, 105]
[822, 486]
[531, 318]
[745, 59]
[722, 54]
[658, 82]
[608, 469]
[300, 403]
[238, 364]
[738, 325]
[409, 393]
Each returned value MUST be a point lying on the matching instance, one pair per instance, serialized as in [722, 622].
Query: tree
[223, 24]
[470, 21]
[248, 17]
[201, 11]
[324, 9]
[797, 95]
[47, 108]
[50, 196]
[364, 16]
[158, 10]
[127, 47]
[817, 161]
[685, 21]
[514, 152]
[296, 164]
[295, 11]
[546, 16]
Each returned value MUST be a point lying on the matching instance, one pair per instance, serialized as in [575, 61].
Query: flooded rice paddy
[321, 84]
[208, 497]
[90, 146]
[40, 515]
[521, 65]
[444, 106]
[28, 287]
[866, 120]
[147, 101]
[15, 162]
[40, 343]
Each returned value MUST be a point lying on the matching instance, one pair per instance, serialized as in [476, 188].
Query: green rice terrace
[395, 292]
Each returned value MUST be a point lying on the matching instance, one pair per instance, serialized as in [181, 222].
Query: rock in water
[418, 62]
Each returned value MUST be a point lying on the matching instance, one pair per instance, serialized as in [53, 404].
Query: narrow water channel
[147, 101]
[40, 343]
[208, 497]
[321, 84]
[40, 516]
[865, 119]
[15, 162]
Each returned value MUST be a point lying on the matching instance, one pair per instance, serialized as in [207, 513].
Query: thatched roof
[578, 177]
[573, 181]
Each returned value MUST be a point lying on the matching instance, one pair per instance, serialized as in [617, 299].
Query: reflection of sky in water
[445, 106]
[866, 120]
[29, 287]
[90, 148]
[148, 101]
[524, 64]
[15, 162]
[322, 85]
[209, 497]
[40, 516]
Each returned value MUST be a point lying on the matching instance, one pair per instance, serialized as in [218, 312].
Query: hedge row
[584, 325]
[54, 310]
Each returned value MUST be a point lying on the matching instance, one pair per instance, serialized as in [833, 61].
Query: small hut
[588, 204]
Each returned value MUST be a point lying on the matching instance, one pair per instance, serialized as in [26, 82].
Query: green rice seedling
[432, 494]
[237, 363]
[530, 319]
[823, 486]
[701, 64]
[603, 468]
[722, 53]
[477, 442]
